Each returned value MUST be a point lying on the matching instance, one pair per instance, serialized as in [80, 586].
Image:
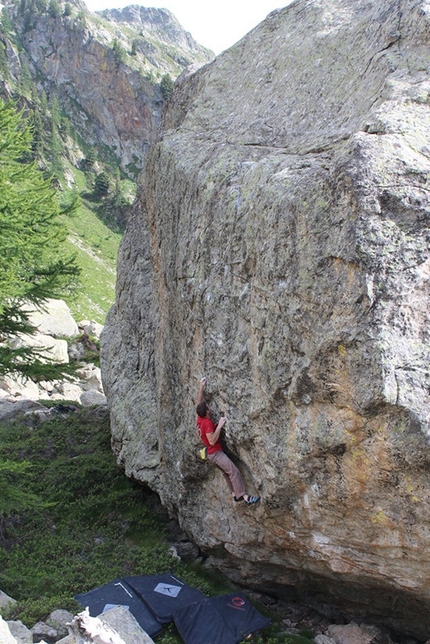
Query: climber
[209, 434]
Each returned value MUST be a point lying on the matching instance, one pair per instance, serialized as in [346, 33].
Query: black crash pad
[119, 593]
[240, 614]
[219, 620]
[164, 594]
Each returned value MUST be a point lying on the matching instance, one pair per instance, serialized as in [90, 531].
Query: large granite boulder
[279, 246]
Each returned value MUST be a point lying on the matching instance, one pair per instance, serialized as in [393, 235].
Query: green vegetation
[166, 86]
[82, 538]
[32, 268]
[86, 175]
[88, 523]
[119, 51]
[61, 148]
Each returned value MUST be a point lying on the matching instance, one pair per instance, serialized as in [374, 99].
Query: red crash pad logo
[237, 602]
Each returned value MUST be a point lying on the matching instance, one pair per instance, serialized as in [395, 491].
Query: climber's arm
[213, 437]
[201, 395]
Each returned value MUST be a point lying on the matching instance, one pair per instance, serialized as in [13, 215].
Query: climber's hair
[202, 409]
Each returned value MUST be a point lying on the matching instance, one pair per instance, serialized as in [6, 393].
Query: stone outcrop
[6, 602]
[279, 246]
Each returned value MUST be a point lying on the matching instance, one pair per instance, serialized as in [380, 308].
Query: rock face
[280, 247]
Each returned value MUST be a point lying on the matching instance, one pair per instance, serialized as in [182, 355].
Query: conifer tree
[6, 25]
[33, 266]
[4, 67]
[89, 161]
[119, 51]
[101, 184]
[38, 134]
[166, 86]
[54, 8]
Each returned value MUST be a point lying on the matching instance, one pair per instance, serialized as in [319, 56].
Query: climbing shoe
[252, 500]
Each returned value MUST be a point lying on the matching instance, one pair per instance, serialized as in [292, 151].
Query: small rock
[20, 632]
[19, 387]
[125, 624]
[93, 329]
[91, 397]
[51, 348]
[77, 351]
[323, 639]
[266, 600]
[53, 318]
[5, 635]
[69, 391]
[354, 634]
[42, 631]
[58, 620]
[9, 411]
[187, 550]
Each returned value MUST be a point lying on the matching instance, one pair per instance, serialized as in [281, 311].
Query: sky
[216, 25]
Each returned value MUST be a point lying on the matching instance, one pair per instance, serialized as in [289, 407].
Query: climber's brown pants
[231, 473]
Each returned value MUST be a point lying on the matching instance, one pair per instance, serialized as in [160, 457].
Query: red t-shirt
[207, 426]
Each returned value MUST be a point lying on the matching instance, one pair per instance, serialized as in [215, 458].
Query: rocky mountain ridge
[279, 245]
[108, 87]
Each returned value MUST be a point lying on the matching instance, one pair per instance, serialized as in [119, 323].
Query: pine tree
[25, 82]
[119, 51]
[37, 144]
[166, 86]
[54, 8]
[33, 266]
[102, 184]
[4, 67]
[6, 25]
[89, 161]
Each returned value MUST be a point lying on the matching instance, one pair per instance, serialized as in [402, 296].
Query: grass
[80, 541]
[96, 247]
